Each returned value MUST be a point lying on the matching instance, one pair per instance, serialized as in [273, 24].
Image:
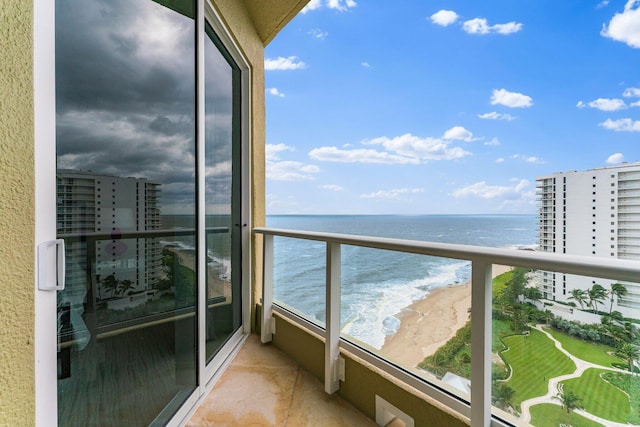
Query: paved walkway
[552, 390]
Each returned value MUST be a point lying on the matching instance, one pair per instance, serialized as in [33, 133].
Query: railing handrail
[137, 234]
[605, 267]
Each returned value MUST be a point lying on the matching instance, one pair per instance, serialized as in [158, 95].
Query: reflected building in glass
[107, 206]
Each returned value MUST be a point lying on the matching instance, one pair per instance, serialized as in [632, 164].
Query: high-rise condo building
[592, 213]
[105, 207]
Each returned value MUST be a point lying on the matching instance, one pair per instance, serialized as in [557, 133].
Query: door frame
[44, 122]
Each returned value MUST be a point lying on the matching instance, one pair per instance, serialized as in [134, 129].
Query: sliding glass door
[139, 232]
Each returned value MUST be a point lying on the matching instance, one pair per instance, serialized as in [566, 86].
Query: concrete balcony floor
[264, 387]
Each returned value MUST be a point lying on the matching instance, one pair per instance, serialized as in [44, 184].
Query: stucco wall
[17, 400]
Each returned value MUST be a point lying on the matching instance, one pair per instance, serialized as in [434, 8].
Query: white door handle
[51, 265]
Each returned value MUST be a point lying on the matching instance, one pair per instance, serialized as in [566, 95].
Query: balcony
[346, 364]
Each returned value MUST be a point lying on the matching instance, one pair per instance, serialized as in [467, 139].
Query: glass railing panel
[564, 349]
[412, 310]
[299, 277]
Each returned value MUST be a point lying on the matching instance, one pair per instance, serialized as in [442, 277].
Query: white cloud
[291, 171]
[632, 92]
[332, 187]
[275, 92]
[339, 5]
[397, 194]
[365, 64]
[484, 191]
[494, 115]
[481, 26]
[420, 148]
[528, 159]
[622, 125]
[625, 27]
[604, 104]
[444, 17]
[312, 5]
[404, 149]
[635, 104]
[282, 63]
[494, 141]
[615, 159]
[603, 3]
[358, 155]
[510, 99]
[458, 133]
[500, 160]
[318, 33]
[272, 150]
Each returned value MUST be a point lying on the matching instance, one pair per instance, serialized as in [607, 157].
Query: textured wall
[17, 395]
[270, 16]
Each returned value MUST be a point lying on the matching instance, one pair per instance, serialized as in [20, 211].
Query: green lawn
[586, 350]
[500, 327]
[599, 397]
[533, 359]
[548, 415]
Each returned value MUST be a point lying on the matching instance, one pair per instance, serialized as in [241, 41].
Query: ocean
[376, 284]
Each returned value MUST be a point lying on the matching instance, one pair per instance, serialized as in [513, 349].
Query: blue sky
[446, 107]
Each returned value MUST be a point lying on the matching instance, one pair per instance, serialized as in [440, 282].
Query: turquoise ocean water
[377, 285]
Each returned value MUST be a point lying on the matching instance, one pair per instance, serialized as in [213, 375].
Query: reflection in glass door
[222, 194]
[126, 208]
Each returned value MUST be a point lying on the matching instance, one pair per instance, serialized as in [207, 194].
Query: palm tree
[617, 290]
[110, 283]
[580, 296]
[125, 285]
[568, 399]
[596, 294]
[501, 395]
[628, 352]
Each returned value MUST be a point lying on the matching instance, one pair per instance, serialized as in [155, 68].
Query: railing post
[267, 328]
[332, 362]
[481, 290]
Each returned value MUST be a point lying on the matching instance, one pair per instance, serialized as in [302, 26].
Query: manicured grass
[586, 350]
[548, 415]
[599, 397]
[500, 328]
[533, 360]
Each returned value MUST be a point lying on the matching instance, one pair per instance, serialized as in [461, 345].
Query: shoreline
[429, 323]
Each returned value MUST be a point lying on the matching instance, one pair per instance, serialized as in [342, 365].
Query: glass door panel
[222, 194]
[125, 111]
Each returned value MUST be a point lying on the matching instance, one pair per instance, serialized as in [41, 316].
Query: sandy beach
[429, 323]
[217, 286]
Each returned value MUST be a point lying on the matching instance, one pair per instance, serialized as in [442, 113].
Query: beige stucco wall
[17, 402]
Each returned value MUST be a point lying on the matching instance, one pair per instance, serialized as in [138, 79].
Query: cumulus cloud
[493, 141]
[286, 170]
[339, 5]
[332, 187]
[616, 158]
[365, 64]
[395, 194]
[275, 92]
[631, 92]
[272, 150]
[528, 159]
[485, 191]
[622, 125]
[510, 99]
[625, 27]
[444, 17]
[458, 133]
[404, 149]
[500, 160]
[318, 33]
[604, 104]
[496, 116]
[282, 63]
[481, 26]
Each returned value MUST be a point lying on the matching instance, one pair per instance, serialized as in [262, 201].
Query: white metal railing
[482, 259]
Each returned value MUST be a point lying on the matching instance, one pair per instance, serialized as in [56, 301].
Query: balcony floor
[264, 387]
